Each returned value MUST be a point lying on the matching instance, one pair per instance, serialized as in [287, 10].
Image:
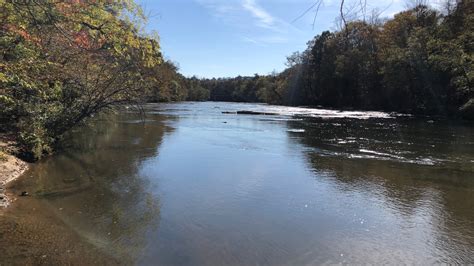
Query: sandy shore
[10, 169]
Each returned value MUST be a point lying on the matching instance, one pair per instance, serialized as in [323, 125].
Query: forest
[419, 62]
[63, 62]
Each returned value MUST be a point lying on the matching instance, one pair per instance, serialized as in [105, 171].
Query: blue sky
[226, 38]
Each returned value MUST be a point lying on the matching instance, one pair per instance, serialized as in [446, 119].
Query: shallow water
[190, 185]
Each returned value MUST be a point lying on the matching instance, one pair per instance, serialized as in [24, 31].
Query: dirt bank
[10, 169]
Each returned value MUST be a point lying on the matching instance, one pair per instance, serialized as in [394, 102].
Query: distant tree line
[63, 61]
[420, 62]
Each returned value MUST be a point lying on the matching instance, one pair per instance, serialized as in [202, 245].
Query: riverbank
[10, 169]
[30, 231]
[132, 192]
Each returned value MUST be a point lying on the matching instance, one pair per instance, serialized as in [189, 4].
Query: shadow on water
[94, 186]
[199, 184]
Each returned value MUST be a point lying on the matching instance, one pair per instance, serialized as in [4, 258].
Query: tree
[420, 62]
[65, 61]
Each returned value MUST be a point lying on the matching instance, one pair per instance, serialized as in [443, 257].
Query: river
[198, 184]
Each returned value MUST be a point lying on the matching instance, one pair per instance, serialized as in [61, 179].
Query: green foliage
[167, 84]
[418, 62]
[64, 61]
[196, 92]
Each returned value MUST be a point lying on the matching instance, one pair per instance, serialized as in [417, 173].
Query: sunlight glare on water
[199, 184]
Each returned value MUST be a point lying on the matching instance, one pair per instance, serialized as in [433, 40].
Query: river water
[198, 184]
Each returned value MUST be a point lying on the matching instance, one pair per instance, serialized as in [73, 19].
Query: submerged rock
[254, 113]
[246, 112]
[69, 180]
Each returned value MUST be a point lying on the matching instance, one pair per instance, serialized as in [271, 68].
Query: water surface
[191, 185]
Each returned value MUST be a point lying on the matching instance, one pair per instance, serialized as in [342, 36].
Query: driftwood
[244, 112]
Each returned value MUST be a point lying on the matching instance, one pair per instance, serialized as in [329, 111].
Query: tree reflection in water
[94, 184]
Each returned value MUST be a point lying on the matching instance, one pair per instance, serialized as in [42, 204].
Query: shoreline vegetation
[63, 62]
[419, 62]
[97, 55]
